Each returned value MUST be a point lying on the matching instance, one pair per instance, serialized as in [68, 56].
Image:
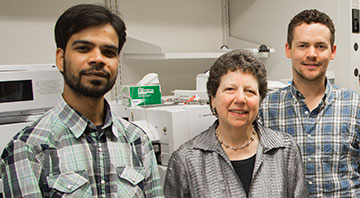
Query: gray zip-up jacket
[200, 168]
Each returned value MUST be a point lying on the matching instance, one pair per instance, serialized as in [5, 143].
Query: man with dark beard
[80, 148]
[323, 118]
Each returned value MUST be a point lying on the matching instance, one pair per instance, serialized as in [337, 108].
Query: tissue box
[141, 95]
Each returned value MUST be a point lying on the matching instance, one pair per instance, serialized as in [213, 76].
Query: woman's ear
[213, 106]
[212, 102]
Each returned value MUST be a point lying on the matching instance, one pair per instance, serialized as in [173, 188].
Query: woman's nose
[240, 97]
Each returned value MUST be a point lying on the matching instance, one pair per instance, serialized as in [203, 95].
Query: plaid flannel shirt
[64, 154]
[328, 137]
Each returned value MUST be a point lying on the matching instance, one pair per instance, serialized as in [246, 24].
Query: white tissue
[148, 79]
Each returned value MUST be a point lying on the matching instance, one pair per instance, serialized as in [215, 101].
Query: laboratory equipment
[27, 90]
[175, 124]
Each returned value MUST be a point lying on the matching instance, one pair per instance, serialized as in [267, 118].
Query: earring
[213, 111]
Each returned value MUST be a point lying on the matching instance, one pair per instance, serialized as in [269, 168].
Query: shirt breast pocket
[71, 184]
[132, 180]
[350, 139]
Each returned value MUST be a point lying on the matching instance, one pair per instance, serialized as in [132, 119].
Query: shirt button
[309, 136]
[69, 187]
[102, 181]
[310, 182]
[309, 159]
[100, 149]
[306, 112]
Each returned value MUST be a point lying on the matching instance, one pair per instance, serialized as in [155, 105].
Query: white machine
[175, 124]
[26, 92]
[346, 17]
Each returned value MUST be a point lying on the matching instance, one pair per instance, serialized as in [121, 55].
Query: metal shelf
[136, 49]
[173, 55]
[186, 55]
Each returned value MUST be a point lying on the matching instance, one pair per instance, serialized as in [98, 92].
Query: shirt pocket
[132, 180]
[75, 184]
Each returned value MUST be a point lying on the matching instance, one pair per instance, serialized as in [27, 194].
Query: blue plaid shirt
[328, 136]
[64, 154]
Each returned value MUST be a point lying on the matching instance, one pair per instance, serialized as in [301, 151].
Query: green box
[141, 95]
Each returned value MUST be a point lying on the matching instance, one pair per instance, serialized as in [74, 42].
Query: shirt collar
[209, 141]
[270, 139]
[327, 95]
[76, 122]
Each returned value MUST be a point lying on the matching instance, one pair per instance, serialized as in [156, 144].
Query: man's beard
[95, 90]
[303, 76]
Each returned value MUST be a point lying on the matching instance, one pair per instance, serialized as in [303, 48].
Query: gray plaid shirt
[63, 154]
[200, 168]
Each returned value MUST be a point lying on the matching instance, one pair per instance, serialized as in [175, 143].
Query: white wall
[190, 25]
[186, 26]
[27, 30]
[266, 22]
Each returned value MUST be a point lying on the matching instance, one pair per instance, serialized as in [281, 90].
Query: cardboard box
[140, 95]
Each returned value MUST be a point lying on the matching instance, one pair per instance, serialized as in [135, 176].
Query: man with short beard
[80, 148]
[323, 118]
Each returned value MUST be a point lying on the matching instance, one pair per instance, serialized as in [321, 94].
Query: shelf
[173, 55]
[184, 55]
[136, 49]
